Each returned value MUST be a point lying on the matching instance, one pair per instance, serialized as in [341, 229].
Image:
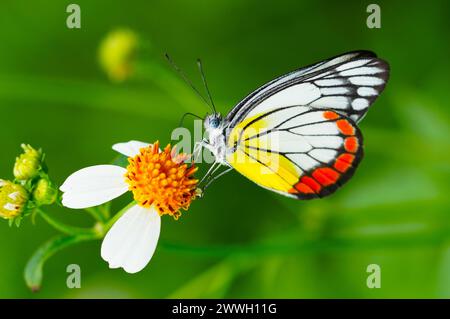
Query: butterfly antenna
[185, 78]
[186, 114]
[200, 68]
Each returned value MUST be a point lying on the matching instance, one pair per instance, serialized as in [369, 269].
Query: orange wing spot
[329, 115]
[326, 176]
[303, 188]
[316, 187]
[349, 158]
[351, 144]
[343, 162]
[293, 191]
[345, 127]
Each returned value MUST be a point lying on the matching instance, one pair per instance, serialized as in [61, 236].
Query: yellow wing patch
[269, 170]
[306, 155]
[247, 128]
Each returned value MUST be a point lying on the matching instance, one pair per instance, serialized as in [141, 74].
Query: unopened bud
[28, 164]
[44, 193]
[13, 199]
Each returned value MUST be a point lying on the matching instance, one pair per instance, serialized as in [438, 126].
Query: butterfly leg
[214, 167]
[197, 150]
[213, 178]
[198, 147]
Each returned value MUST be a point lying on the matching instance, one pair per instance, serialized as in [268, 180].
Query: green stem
[97, 214]
[105, 210]
[66, 229]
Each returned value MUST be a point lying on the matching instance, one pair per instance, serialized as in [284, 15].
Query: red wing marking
[312, 183]
[303, 188]
[345, 127]
[325, 178]
[330, 115]
[344, 162]
[351, 144]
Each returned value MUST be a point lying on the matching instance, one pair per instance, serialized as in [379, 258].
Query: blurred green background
[240, 240]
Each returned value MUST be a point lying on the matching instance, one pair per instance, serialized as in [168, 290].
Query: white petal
[93, 186]
[132, 240]
[130, 149]
[10, 206]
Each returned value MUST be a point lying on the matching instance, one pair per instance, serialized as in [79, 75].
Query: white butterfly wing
[348, 84]
[297, 135]
[296, 151]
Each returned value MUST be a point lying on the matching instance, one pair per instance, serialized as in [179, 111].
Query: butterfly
[297, 135]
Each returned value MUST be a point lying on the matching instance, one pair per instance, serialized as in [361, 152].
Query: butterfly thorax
[215, 129]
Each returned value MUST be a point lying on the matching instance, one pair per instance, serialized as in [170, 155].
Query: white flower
[160, 185]
[131, 241]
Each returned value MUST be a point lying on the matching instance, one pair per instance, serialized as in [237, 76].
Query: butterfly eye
[214, 123]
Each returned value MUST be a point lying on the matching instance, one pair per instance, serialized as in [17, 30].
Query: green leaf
[34, 269]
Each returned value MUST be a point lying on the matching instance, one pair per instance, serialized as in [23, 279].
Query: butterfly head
[213, 122]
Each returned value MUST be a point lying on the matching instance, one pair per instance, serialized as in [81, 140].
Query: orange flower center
[162, 179]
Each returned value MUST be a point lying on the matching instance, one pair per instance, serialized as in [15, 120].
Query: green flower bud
[13, 199]
[44, 193]
[28, 164]
[117, 52]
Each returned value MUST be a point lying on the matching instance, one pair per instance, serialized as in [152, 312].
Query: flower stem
[105, 210]
[97, 214]
[66, 229]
